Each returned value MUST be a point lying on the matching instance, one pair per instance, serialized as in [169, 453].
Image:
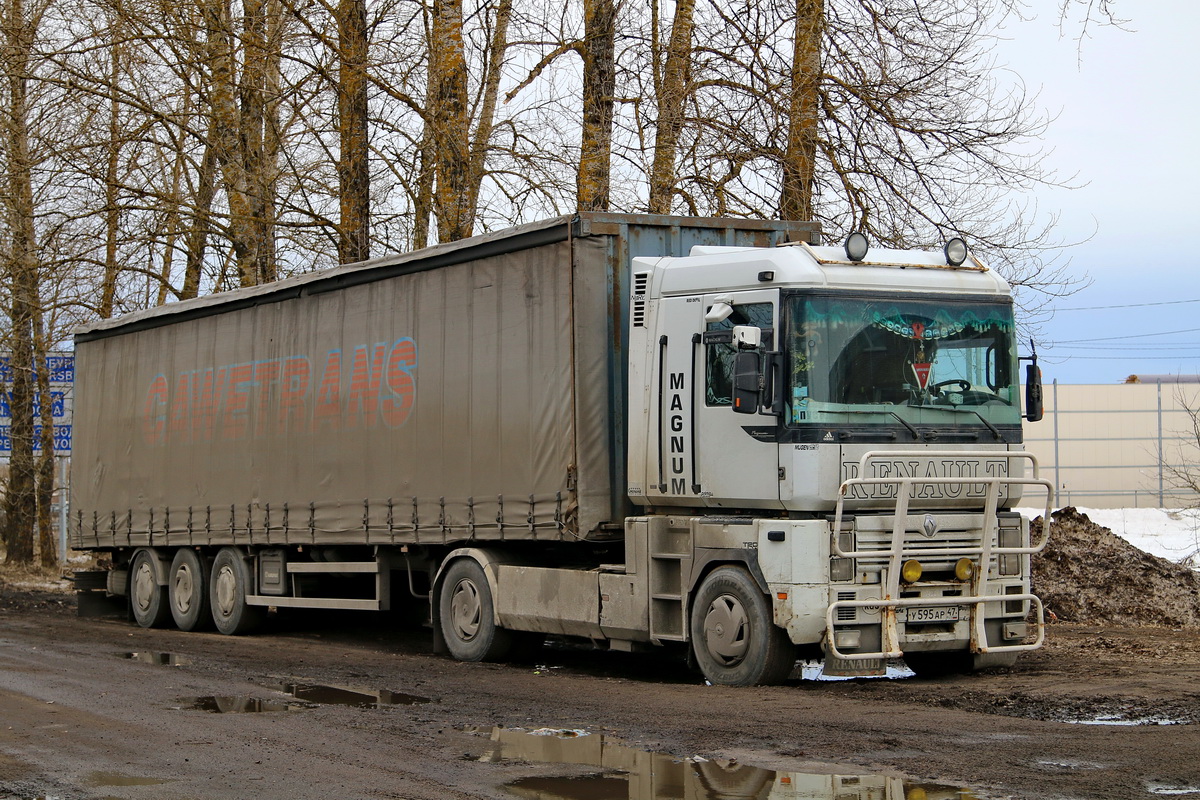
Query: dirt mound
[1089, 574]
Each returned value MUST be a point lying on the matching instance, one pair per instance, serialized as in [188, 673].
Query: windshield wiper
[916, 434]
[956, 410]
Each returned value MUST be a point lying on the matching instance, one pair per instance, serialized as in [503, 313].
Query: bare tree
[671, 94]
[354, 243]
[19, 31]
[1182, 472]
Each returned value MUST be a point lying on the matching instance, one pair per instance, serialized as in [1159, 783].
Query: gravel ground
[1107, 709]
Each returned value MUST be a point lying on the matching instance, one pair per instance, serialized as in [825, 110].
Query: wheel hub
[725, 630]
[184, 589]
[465, 610]
[226, 585]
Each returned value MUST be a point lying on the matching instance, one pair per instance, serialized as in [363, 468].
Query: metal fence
[1112, 446]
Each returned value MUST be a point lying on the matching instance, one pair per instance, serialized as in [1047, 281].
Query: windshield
[922, 362]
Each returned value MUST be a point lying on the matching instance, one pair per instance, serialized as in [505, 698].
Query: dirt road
[80, 717]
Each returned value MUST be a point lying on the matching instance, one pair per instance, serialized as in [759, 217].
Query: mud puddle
[1172, 790]
[306, 695]
[240, 704]
[355, 698]
[158, 659]
[1113, 711]
[626, 773]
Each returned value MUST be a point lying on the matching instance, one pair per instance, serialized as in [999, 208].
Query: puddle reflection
[241, 704]
[356, 698]
[631, 774]
[159, 659]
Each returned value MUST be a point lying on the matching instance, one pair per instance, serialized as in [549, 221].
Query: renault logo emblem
[930, 526]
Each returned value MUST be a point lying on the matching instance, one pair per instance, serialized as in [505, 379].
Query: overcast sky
[1128, 117]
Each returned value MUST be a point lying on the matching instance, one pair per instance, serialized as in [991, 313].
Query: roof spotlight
[956, 251]
[856, 246]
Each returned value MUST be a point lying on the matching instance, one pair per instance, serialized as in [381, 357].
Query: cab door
[737, 455]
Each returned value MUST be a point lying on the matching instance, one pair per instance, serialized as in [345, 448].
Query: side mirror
[747, 382]
[1033, 393]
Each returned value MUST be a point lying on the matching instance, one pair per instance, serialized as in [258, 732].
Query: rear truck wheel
[467, 617]
[228, 586]
[147, 599]
[733, 636]
[188, 591]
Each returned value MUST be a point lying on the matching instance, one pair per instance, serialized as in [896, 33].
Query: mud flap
[835, 667]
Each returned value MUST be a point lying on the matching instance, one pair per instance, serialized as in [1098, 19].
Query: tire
[188, 591]
[147, 600]
[735, 641]
[228, 586]
[466, 614]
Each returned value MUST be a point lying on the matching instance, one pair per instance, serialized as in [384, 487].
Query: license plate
[920, 614]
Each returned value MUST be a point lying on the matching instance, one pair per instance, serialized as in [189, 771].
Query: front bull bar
[898, 553]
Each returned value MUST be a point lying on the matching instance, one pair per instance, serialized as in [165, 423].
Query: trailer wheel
[466, 614]
[733, 636]
[188, 591]
[147, 598]
[228, 587]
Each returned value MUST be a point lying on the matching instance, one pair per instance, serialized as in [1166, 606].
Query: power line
[1120, 338]
[1182, 359]
[1184, 346]
[1128, 305]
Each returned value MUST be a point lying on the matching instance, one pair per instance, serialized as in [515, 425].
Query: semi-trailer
[707, 434]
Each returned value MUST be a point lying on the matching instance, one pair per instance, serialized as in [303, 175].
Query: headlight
[911, 571]
[956, 252]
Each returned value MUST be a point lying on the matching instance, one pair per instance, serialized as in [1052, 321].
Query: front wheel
[733, 636]
[467, 617]
[228, 586]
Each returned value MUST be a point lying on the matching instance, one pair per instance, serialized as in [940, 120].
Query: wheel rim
[727, 630]
[465, 610]
[226, 585]
[185, 589]
[143, 586]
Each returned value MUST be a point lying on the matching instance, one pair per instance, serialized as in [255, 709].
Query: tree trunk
[227, 135]
[20, 499]
[112, 210]
[446, 108]
[799, 161]
[354, 177]
[672, 100]
[423, 203]
[592, 182]
[483, 127]
[197, 238]
[47, 544]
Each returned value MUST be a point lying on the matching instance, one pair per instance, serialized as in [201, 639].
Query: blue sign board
[61, 369]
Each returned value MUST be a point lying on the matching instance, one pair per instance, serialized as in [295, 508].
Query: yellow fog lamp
[911, 571]
[964, 568]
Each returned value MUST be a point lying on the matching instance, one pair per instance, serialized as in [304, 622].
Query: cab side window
[719, 351]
